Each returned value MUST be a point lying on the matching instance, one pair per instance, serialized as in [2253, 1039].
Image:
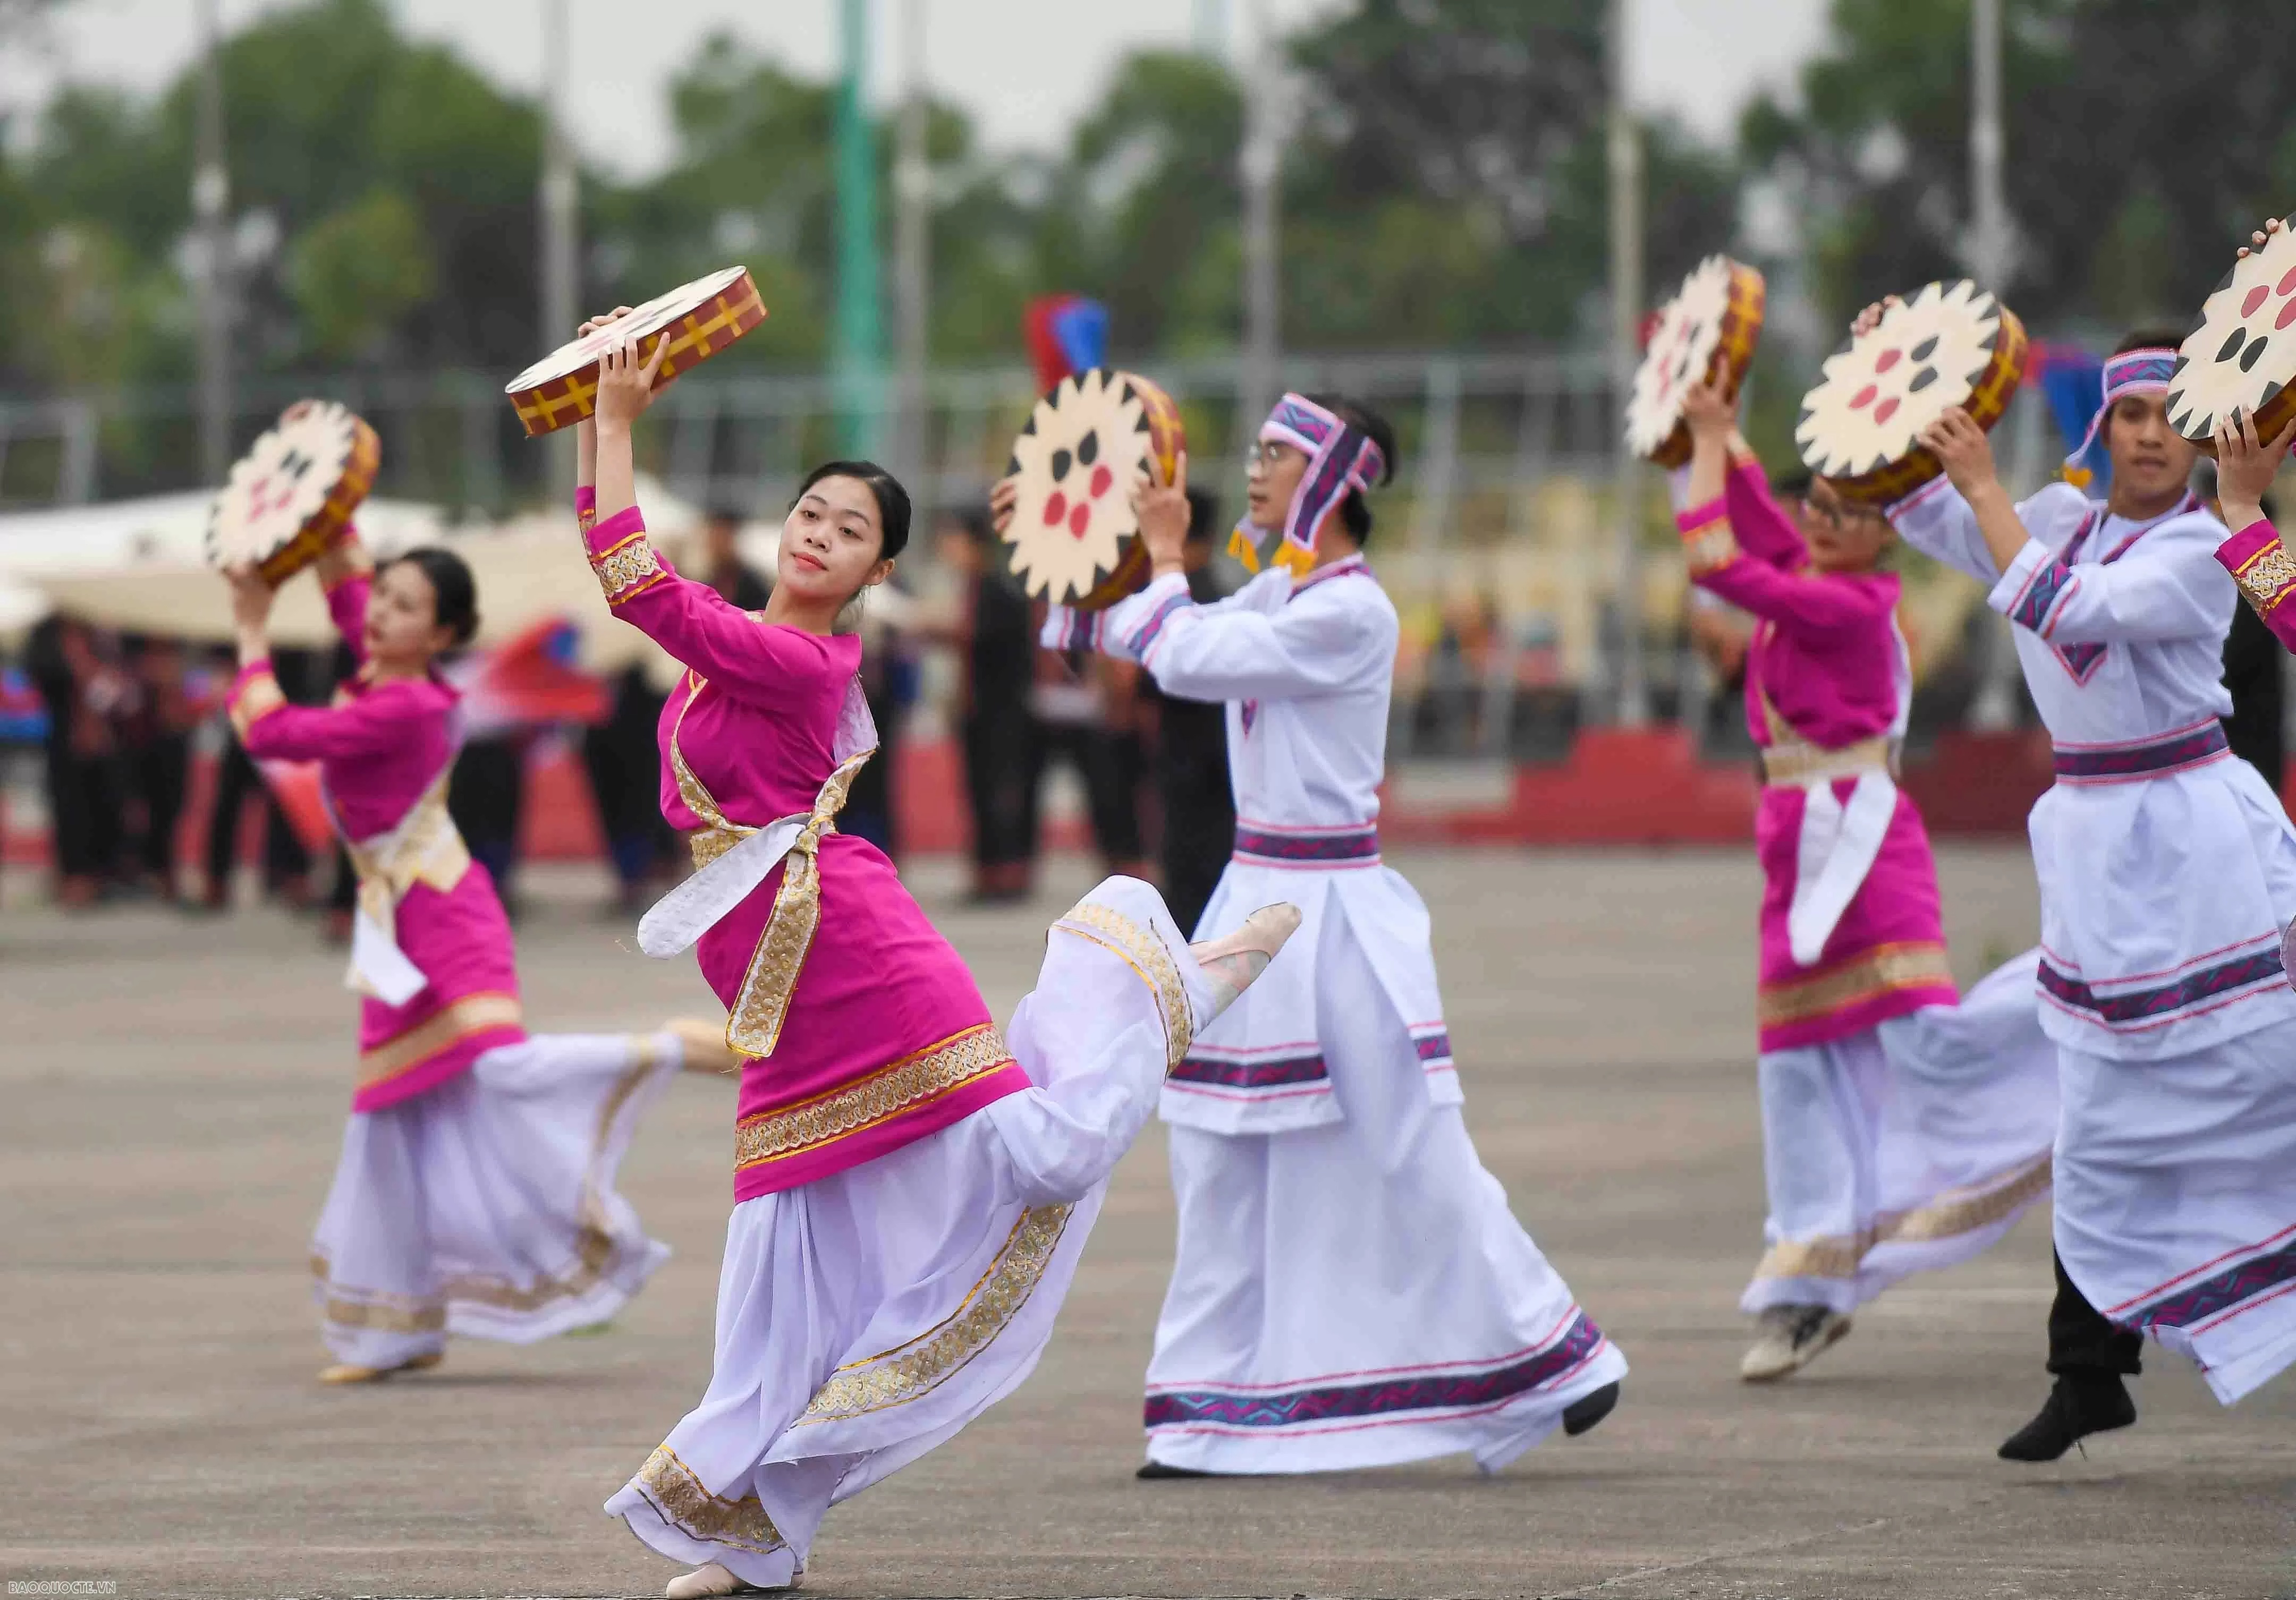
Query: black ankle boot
[2082, 1403]
[1583, 1413]
[1157, 1469]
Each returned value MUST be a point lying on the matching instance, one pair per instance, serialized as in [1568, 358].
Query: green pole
[859, 362]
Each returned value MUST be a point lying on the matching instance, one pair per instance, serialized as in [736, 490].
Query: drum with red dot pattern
[1951, 344]
[2241, 353]
[1706, 333]
[292, 495]
[1073, 536]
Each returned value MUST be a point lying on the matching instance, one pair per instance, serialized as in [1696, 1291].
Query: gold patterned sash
[425, 847]
[1791, 761]
[754, 1025]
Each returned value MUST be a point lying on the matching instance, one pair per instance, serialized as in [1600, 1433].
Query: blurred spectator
[286, 864]
[996, 653]
[157, 756]
[889, 681]
[722, 566]
[83, 682]
[1077, 708]
[624, 762]
[1196, 808]
[2253, 666]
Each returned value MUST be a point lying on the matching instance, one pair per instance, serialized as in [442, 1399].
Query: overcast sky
[1026, 69]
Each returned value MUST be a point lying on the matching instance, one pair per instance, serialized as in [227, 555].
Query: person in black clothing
[624, 768]
[71, 665]
[1197, 807]
[722, 566]
[157, 749]
[997, 647]
[286, 864]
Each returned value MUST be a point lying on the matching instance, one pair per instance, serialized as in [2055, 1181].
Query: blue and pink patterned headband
[1340, 458]
[2131, 373]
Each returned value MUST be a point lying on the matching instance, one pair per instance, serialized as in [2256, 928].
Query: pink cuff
[2259, 564]
[1693, 521]
[586, 505]
[623, 557]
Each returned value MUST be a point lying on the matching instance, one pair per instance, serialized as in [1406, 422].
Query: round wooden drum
[2241, 353]
[293, 495]
[1952, 344]
[699, 319]
[1073, 536]
[1706, 333]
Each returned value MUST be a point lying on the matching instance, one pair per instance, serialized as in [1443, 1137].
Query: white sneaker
[1230, 962]
[1788, 1338]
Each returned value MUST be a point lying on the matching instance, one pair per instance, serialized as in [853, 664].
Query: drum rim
[332, 412]
[672, 304]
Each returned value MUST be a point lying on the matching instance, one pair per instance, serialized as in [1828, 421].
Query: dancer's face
[2151, 461]
[1843, 536]
[402, 630]
[830, 544]
[1270, 481]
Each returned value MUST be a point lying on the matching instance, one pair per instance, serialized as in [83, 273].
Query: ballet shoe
[347, 1372]
[715, 1579]
[1232, 961]
[704, 1046]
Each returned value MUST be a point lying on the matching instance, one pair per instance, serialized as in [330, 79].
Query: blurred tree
[354, 273]
[2143, 141]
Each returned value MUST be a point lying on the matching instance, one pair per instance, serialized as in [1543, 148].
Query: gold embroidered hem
[595, 1247]
[627, 568]
[912, 1370]
[454, 1021]
[1951, 1214]
[2266, 578]
[257, 699]
[1141, 950]
[914, 1080]
[1916, 964]
[677, 1490]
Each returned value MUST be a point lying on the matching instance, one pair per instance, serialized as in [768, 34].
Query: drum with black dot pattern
[2240, 355]
[1072, 539]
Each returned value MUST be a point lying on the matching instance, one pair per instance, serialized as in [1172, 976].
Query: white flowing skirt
[1358, 1293]
[485, 1207]
[2175, 1208]
[1911, 1145]
[867, 1317]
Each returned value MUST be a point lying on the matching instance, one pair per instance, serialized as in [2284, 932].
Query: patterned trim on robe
[2196, 1303]
[677, 1492]
[2261, 566]
[907, 1087]
[441, 1031]
[1347, 1401]
[2148, 1001]
[1866, 976]
[1953, 1213]
[914, 1369]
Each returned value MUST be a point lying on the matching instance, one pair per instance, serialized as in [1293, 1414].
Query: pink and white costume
[2168, 870]
[1350, 1288]
[1901, 1129]
[912, 1186]
[475, 1193]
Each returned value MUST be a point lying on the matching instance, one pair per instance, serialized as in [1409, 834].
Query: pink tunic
[1824, 696]
[380, 747]
[2260, 565]
[886, 1038]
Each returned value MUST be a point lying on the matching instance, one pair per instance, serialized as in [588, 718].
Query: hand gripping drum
[2241, 353]
[699, 319]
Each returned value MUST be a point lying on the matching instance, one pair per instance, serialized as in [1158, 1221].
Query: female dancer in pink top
[912, 1188]
[1901, 1131]
[475, 1193]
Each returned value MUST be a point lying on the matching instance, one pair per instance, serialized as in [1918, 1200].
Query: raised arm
[2167, 586]
[1798, 602]
[275, 729]
[1723, 468]
[1320, 643]
[346, 577]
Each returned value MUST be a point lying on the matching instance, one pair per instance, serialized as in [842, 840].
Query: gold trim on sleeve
[1709, 546]
[626, 568]
[1141, 950]
[1951, 1214]
[2264, 578]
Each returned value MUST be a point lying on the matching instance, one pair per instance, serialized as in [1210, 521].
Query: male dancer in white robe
[2167, 872]
[1350, 1289]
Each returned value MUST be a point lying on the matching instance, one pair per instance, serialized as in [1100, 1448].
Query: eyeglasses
[1835, 514]
[1267, 454]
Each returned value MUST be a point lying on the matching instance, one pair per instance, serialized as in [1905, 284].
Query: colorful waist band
[1329, 847]
[2155, 757]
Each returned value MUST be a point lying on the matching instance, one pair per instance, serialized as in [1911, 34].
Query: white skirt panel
[866, 1317]
[485, 1207]
[2176, 1209]
[1912, 1145]
[1358, 1294]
